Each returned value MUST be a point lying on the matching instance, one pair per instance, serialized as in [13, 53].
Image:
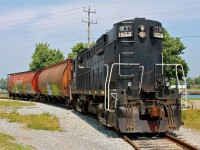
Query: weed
[14, 103]
[191, 118]
[43, 121]
[7, 142]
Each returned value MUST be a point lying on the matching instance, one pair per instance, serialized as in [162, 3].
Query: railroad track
[153, 142]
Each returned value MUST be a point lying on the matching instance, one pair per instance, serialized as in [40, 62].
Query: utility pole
[89, 22]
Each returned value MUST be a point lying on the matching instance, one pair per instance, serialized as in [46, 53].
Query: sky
[24, 23]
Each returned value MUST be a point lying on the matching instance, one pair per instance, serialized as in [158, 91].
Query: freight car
[122, 80]
[50, 84]
[54, 82]
[23, 85]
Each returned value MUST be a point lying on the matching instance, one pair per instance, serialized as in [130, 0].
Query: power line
[10, 48]
[50, 25]
[105, 18]
[83, 7]
[44, 38]
[190, 36]
[42, 15]
[33, 21]
[89, 22]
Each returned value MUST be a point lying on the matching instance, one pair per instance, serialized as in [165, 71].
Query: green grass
[191, 118]
[3, 91]
[43, 121]
[14, 103]
[193, 99]
[7, 143]
[4, 95]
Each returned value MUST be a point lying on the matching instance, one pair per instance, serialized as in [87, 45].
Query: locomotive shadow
[92, 121]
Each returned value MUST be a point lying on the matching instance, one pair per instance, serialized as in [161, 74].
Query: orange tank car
[54, 81]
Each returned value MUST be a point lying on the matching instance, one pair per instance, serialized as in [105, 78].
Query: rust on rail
[180, 142]
[130, 142]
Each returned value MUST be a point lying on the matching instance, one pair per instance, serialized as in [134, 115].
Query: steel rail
[180, 142]
[125, 138]
[167, 137]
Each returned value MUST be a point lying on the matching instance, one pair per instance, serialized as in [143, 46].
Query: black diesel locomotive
[122, 80]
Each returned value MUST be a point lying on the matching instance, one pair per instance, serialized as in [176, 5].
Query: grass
[7, 143]
[193, 99]
[43, 121]
[4, 95]
[191, 118]
[14, 103]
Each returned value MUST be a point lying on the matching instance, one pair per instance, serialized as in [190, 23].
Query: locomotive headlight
[142, 34]
[130, 84]
[167, 83]
[142, 28]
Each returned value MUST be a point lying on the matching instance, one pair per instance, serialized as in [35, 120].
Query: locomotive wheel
[77, 106]
[68, 103]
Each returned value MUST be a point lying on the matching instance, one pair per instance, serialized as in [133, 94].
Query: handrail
[183, 73]
[105, 86]
[141, 79]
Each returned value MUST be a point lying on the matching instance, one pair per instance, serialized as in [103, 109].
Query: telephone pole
[89, 22]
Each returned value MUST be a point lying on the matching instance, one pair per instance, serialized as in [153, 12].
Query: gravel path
[196, 104]
[189, 135]
[79, 132]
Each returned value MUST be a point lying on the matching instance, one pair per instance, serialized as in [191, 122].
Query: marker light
[142, 28]
[167, 83]
[130, 84]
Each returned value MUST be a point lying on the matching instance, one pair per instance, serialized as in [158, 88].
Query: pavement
[195, 104]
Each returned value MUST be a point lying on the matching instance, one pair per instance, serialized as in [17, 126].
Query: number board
[125, 34]
[156, 32]
[158, 35]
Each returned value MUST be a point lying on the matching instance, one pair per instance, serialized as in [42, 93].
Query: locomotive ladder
[108, 79]
[184, 78]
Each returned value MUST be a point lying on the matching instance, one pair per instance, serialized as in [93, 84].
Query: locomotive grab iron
[122, 80]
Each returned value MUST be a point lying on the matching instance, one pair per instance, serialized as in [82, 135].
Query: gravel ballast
[79, 132]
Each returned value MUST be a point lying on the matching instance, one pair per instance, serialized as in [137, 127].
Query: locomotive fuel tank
[54, 81]
[23, 84]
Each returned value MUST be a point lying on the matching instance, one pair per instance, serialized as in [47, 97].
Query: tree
[44, 57]
[172, 49]
[190, 81]
[197, 80]
[3, 84]
[76, 49]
